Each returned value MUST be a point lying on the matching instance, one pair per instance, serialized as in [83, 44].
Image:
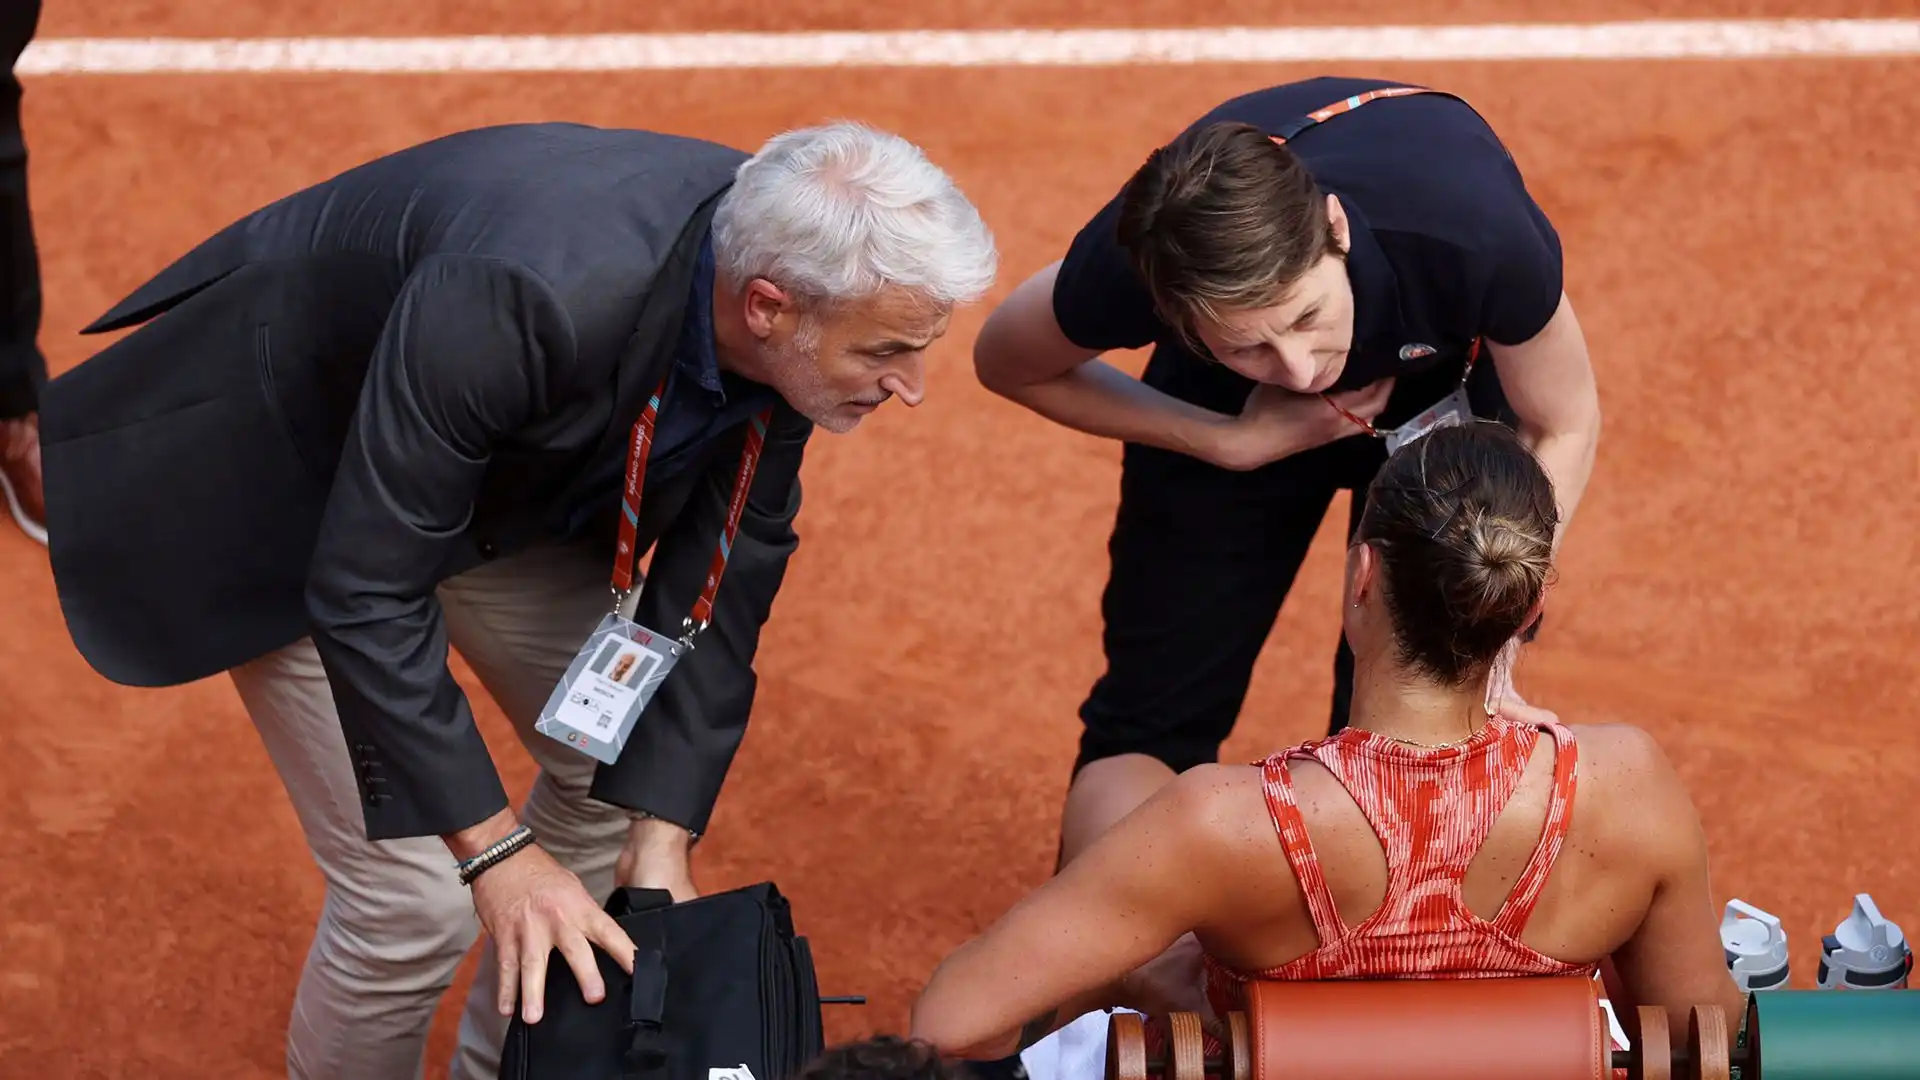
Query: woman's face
[1299, 344]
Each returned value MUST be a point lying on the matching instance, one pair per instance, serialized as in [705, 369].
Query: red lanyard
[1473, 353]
[1347, 104]
[626, 556]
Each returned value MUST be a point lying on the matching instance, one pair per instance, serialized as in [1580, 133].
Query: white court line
[1674, 39]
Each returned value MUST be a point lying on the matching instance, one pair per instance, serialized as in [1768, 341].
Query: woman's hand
[1514, 709]
[1276, 423]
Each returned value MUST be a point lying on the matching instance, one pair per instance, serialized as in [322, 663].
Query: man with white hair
[432, 401]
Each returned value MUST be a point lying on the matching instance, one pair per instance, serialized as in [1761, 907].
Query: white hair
[838, 212]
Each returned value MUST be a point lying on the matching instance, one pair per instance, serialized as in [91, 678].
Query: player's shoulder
[1619, 744]
[1204, 787]
[1627, 777]
[1213, 803]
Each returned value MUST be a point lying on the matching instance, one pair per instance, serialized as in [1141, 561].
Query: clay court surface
[1741, 579]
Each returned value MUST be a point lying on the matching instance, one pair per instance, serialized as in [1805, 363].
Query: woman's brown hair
[1222, 218]
[1464, 522]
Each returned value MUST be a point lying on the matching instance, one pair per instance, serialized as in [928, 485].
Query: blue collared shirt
[701, 402]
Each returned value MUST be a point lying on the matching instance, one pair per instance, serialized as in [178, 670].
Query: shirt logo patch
[1415, 351]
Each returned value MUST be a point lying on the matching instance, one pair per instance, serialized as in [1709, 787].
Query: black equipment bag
[721, 983]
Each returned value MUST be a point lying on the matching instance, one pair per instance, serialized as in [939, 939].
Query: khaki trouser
[396, 922]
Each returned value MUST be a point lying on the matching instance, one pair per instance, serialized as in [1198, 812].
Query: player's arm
[1068, 947]
[1023, 355]
[1674, 959]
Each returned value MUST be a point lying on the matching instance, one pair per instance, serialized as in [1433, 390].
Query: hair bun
[1465, 519]
[1505, 568]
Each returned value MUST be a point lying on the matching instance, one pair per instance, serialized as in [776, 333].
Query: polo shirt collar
[697, 357]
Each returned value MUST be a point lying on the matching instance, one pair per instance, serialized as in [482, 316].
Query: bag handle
[632, 901]
[646, 1055]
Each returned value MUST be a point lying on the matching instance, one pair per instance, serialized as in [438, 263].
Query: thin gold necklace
[1432, 745]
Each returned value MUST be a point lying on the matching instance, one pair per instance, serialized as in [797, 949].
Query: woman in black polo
[1319, 267]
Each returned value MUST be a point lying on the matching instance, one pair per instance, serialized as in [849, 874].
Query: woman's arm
[1549, 383]
[1023, 355]
[1674, 959]
[1066, 948]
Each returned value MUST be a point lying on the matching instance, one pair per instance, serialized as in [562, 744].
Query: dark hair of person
[1222, 218]
[1464, 521]
[883, 1057]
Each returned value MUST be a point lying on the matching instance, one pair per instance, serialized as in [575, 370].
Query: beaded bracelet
[500, 849]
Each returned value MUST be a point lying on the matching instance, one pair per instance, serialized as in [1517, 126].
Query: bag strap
[646, 1056]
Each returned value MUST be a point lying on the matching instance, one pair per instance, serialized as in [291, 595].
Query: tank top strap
[1512, 916]
[1394, 786]
[1288, 822]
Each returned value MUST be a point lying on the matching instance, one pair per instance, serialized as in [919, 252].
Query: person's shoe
[20, 478]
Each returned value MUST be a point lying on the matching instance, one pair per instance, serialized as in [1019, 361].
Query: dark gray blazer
[428, 361]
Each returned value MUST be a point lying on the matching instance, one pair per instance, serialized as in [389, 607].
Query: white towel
[1077, 1051]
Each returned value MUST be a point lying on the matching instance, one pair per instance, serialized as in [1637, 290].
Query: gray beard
[803, 387]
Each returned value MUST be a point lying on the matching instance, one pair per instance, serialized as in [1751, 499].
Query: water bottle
[1755, 945]
[1865, 952]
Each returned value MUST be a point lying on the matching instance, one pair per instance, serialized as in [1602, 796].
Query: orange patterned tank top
[1431, 809]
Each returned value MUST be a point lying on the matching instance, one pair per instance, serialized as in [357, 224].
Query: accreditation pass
[595, 706]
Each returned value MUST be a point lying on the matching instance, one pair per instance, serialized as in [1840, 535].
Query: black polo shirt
[1447, 245]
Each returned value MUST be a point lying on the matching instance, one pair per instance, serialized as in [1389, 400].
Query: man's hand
[1276, 423]
[531, 905]
[658, 855]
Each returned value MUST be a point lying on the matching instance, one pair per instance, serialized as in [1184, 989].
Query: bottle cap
[1865, 952]
[1755, 945]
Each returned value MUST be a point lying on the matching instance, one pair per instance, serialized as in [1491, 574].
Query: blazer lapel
[645, 360]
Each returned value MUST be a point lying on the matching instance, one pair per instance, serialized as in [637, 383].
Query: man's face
[836, 366]
[1301, 342]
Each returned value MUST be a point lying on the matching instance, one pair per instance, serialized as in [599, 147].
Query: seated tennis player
[1451, 832]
